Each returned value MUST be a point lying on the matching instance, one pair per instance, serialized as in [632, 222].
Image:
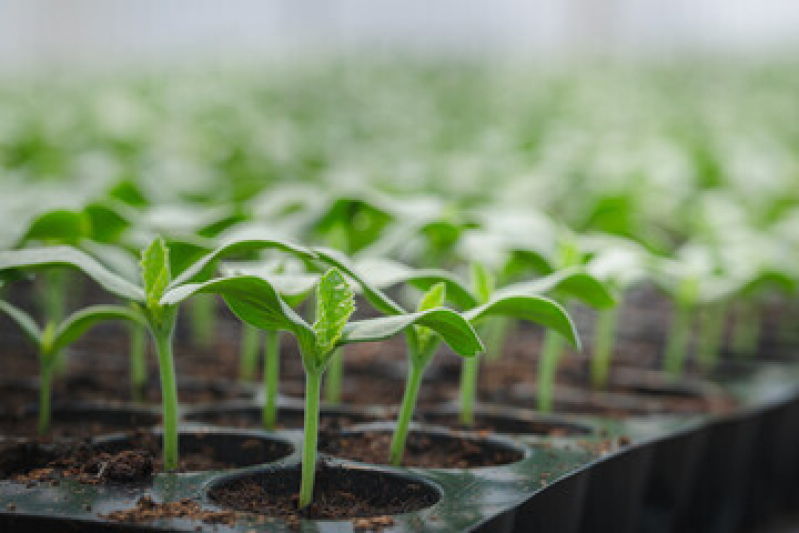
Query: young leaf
[81, 321]
[66, 256]
[433, 298]
[448, 324]
[23, 320]
[251, 298]
[483, 282]
[335, 303]
[532, 308]
[155, 271]
[59, 225]
[376, 297]
[382, 273]
[571, 281]
[195, 272]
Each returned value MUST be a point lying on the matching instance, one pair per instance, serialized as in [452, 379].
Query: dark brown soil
[422, 450]
[134, 458]
[75, 424]
[366, 497]
[147, 509]
[250, 418]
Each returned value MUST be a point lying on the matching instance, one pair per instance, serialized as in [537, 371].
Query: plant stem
[169, 394]
[495, 332]
[414, 381]
[547, 369]
[271, 374]
[679, 336]
[711, 336]
[138, 361]
[201, 309]
[250, 344]
[313, 382]
[45, 384]
[333, 378]
[469, 371]
[604, 340]
[746, 335]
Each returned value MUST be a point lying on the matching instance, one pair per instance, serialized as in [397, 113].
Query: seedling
[157, 300]
[523, 301]
[54, 337]
[256, 301]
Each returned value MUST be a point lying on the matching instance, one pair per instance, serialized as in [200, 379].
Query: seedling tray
[653, 473]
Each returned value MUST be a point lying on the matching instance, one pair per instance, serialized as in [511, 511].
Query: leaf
[531, 308]
[66, 256]
[81, 321]
[155, 271]
[252, 299]
[452, 327]
[573, 282]
[195, 272]
[433, 298]
[383, 273]
[374, 295]
[335, 303]
[483, 281]
[58, 226]
[23, 320]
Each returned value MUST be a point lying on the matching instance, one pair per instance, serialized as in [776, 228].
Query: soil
[488, 423]
[366, 497]
[422, 450]
[250, 418]
[74, 424]
[133, 459]
[147, 509]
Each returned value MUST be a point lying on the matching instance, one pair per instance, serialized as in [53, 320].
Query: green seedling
[256, 301]
[157, 299]
[54, 337]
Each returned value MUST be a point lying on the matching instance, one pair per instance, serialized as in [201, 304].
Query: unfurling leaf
[335, 303]
[435, 297]
[155, 271]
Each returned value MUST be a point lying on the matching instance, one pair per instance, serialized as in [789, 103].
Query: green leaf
[531, 308]
[383, 273]
[335, 303]
[435, 297]
[58, 226]
[374, 295]
[572, 282]
[483, 281]
[252, 299]
[66, 256]
[199, 270]
[155, 271]
[23, 320]
[81, 321]
[452, 327]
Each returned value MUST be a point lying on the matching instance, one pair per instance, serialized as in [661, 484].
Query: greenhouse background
[488, 267]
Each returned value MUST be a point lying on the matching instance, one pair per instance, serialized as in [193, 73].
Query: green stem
[313, 382]
[201, 309]
[604, 340]
[746, 335]
[250, 344]
[138, 361]
[547, 369]
[415, 372]
[169, 394]
[469, 371]
[271, 374]
[495, 332]
[45, 385]
[679, 337]
[712, 333]
[333, 378]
